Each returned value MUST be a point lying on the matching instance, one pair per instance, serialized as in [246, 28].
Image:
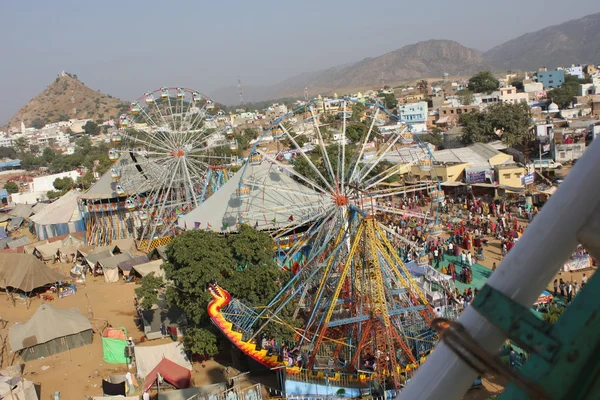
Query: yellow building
[509, 175]
[443, 172]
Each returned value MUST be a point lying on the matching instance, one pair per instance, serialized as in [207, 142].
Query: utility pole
[305, 93]
[382, 81]
[240, 91]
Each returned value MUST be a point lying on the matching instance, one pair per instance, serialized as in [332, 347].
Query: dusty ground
[80, 371]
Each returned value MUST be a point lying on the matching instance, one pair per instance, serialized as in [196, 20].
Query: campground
[80, 371]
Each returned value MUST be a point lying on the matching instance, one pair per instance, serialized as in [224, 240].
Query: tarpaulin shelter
[17, 388]
[113, 351]
[127, 265]
[59, 218]
[110, 268]
[47, 251]
[14, 224]
[152, 267]
[172, 317]
[115, 333]
[18, 242]
[26, 273]
[178, 376]
[39, 207]
[21, 211]
[4, 242]
[50, 331]
[68, 249]
[148, 357]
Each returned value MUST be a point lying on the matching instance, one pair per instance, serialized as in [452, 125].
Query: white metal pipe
[522, 276]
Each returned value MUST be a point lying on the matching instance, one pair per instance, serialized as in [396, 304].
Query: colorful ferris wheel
[339, 190]
[166, 150]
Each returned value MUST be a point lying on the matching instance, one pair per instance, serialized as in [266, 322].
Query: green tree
[8, 152]
[53, 194]
[518, 84]
[148, 290]
[21, 144]
[200, 341]
[357, 111]
[553, 314]
[465, 97]
[47, 157]
[63, 184]
[69, 131]
[476, 128]
[390, 101]
[38, 123]
[514, 120]
[435, 137]
[563, 96]
[483, 82]
[250, 247]
[85, 181]
[11, 187]
[91, 128]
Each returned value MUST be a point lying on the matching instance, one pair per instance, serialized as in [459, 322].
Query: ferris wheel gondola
[167, 142]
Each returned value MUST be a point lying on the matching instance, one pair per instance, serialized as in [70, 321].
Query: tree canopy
[91, 128]
[483, 82]
[513, 121]
[38, 123]
[563, 96]
[11, 187]
[242, 263]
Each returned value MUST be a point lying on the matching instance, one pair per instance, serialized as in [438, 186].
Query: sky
[126, 48]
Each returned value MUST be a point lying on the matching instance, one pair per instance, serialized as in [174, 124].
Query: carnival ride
[360, 307]
[169, 154]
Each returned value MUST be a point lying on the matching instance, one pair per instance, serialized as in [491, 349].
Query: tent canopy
[25, 272]
[113, 261]
[21, 211]
[46, 324]
[49, 250]
[114, 351]
[148, 357]
[171, 372]
[127, 265]
[18, 242]
[149, 268]
[62, 211]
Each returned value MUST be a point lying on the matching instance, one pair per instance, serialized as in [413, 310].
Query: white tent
[149, 268]
[48, 251]
[148, 357]
[59, 218]
[274, 201]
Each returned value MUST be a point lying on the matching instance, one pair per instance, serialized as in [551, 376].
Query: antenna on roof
[240, 91]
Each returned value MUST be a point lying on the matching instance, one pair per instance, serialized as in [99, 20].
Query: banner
[481, 176]
[527, 179]
[577, 263]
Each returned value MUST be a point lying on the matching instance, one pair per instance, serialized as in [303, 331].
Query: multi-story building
[510, 95]
[551, 79]
[415, 114]
[589, 70]
[449, 115]
[575, 70]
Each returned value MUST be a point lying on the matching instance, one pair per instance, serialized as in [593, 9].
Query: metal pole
[522, 276]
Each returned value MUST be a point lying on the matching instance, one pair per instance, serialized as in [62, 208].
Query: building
[567, 152]
[575, 70]
[449, 116]
[533, 87]
[46, 183]
[510, 95]
[551, 79]
[414, 114]
[509, 175]
[414, 98]
[589, 70]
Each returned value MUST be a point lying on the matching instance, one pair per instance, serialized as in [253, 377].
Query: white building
[533, 87]
[414, 114]
[46, 183]
[510, 95]
[575, 70]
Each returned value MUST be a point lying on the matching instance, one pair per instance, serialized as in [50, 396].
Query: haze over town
[125, 49]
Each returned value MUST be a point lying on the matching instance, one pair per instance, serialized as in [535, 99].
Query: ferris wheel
[349, 164]
[333, 206]
[164, 151]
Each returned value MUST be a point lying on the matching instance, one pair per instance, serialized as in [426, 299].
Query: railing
[240, 315]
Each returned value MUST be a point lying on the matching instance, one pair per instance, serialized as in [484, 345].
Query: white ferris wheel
[163, 150]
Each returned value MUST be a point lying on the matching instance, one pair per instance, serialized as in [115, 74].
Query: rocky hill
[576, 41]
[427, 59]
[65, 98]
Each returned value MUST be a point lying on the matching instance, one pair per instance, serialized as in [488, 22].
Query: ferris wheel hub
[340, 199]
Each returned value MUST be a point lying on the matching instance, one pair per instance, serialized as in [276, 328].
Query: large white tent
[59, 218]
[274, 201]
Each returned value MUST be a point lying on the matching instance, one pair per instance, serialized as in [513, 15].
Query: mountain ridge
[574, 41]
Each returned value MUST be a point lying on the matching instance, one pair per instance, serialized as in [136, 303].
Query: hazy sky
[125, 48]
